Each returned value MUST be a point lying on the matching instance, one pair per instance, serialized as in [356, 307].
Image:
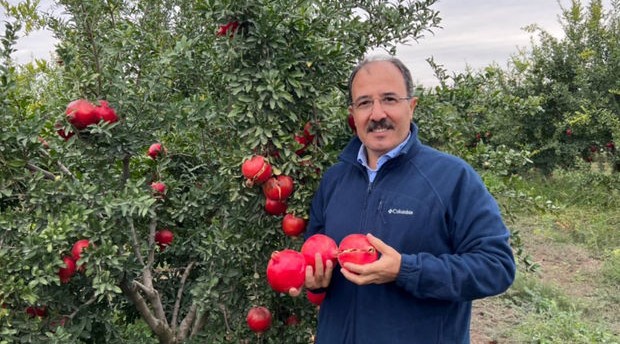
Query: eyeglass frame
[356, 107]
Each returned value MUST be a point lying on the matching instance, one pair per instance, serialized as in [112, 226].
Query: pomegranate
[315, 298]
[256, 170]
[154, 150]
[319, 243]
[66, 135]
[274, 207]
[163, 238]
[278, 188]
[302, 141]
[158, 187]
[355, 248]
[105, 112]
[228, 29]
[259, 319]
[78, 248]
[308, 132]
[33, 311]
[292, 320]
[292, 225]
[65, 273]
[286, 269]
[81, 113]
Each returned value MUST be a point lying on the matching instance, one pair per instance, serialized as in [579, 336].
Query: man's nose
[377, 112]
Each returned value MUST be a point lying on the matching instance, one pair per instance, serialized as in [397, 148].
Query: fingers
[382, 247]
[294, 292]
[321, 275]
[384, 270]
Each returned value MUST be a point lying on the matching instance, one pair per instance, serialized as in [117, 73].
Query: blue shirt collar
[363, 160]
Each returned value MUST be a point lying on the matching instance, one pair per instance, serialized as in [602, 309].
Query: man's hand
[319, 278]
[384, 270]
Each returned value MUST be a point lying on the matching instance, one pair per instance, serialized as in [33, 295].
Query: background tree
[214, 82]
[576, 81]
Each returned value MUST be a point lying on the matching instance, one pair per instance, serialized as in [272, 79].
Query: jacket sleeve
[481, 263]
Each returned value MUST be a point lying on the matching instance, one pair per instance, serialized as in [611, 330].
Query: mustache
[382, 124]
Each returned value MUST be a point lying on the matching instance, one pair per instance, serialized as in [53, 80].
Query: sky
[475, 34]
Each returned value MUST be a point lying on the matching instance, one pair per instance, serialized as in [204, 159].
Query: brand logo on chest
[396, 211]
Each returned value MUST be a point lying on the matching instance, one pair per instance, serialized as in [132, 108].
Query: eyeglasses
[366, 104]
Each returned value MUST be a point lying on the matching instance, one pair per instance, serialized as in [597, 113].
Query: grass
[571, 209]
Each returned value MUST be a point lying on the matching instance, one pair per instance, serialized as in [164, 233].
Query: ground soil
[569, 268]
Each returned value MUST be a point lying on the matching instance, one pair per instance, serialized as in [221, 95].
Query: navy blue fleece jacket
[435, 210]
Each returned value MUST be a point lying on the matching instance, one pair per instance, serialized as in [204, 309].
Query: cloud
[475, 33]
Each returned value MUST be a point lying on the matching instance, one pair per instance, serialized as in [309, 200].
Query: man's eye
[389, 100]
[364, 103]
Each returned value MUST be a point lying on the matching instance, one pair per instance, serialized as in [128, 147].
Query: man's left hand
[384, 270]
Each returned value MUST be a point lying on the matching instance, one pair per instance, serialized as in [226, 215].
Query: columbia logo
[400, 211]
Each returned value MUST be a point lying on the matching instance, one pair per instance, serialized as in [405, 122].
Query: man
[439, 232]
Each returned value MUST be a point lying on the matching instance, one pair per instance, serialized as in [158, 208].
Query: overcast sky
[475, 33]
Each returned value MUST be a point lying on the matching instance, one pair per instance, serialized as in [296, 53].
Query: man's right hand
[319, 278]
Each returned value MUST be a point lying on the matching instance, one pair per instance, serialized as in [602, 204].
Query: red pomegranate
[65, 273]
[81, 113]
[259, 319]
[105, 112]
[292, 225]
[34, 311]
[158, 187]
[292, 320]
[78, 248]
[256, 170]
[319, 243]
[278, 188]
[286, 269]
[164, 238]
[154, 150]
[274, 207]
[315, 298]
[355, 248]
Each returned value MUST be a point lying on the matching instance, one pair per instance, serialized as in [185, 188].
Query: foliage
[552, 318]
[213, 93]
[576, 79]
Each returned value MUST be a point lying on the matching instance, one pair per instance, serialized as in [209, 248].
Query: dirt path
[567, 267]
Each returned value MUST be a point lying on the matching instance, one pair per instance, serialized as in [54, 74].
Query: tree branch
[177, 303]
[125, 176]
[186, 323]
[131, 291]
[88, 302]
[199, 324]
[147, 276]
[46, 174]
[134, 239]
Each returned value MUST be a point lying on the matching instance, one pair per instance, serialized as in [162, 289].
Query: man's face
[382, 114]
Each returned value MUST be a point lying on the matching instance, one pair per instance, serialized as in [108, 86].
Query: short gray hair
[393, 60]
